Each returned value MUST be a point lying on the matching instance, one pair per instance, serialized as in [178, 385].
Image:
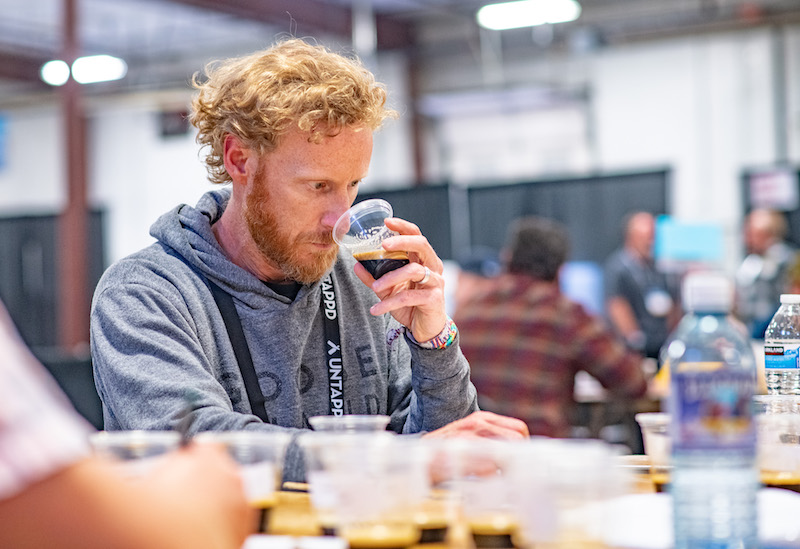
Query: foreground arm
[414, 296]
[194, 499]
[421, 308]
[54, 494]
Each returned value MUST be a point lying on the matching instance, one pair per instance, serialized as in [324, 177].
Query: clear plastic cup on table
[361, 230]
[354, 423]
[561, 489]
[135, 450]
[657, 445]
[777, 420]
[364, 486]
[475, 474]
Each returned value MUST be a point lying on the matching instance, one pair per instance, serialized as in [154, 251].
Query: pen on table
[190, 400]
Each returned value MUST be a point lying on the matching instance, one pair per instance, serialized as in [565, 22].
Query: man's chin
[316, 270]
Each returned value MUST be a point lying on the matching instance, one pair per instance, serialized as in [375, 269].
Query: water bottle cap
[707, 292]
[790, 298]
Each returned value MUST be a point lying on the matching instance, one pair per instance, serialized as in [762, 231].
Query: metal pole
[74, 295]
[779, 94]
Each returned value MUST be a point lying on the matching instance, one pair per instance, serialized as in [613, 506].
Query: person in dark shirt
[642, 304]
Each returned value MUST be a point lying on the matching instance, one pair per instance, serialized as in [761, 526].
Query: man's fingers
[505, 423]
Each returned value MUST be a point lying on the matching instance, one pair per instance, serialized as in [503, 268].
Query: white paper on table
[644, 521]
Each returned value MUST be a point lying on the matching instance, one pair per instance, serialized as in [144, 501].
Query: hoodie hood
[187, 230]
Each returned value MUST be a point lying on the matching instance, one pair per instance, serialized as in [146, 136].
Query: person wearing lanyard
[640, 303]
[231, 300]
[55, 493]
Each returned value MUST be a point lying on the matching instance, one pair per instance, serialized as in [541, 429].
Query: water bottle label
[781, 356]
[711, 410]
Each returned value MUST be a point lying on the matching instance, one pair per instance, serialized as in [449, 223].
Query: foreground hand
[419, 307]
[482, 424]
[207, 480]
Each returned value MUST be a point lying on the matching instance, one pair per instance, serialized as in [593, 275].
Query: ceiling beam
[21, 66]
[304, 17]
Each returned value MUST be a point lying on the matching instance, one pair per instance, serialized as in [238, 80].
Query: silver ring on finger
[425, 278]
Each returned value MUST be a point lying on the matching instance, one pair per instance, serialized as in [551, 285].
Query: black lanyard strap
[333, 346]
[233, 324]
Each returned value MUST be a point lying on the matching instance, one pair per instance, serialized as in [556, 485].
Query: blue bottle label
[781, 356]
[712, 410]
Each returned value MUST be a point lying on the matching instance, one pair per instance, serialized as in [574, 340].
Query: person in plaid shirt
[525, 341]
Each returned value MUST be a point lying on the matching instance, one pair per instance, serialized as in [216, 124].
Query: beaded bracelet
[442, 341]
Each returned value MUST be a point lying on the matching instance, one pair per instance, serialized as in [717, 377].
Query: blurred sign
[680, 245]
[775, 189]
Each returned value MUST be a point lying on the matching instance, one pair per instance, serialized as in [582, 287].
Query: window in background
[582, 281]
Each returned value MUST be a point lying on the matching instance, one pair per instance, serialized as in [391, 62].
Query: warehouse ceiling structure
[165, 41]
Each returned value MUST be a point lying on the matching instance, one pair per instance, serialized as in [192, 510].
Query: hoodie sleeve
[429, 387]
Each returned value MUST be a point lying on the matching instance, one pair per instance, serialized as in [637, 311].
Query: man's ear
[235, 157]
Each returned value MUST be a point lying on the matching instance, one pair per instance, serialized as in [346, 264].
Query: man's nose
[337, 206]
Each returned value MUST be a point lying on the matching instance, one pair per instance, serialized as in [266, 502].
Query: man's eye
[355, 183]
[318, 186]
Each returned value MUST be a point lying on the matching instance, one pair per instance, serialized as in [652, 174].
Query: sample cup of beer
[476, 473]
[360, 486]
[657, 445]
[361, 230]
[260, 459]
[352, 423]
[562, 488]
[379, 509]
[136, 451]
[777, 419]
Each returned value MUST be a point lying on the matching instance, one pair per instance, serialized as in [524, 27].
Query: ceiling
[165, 41]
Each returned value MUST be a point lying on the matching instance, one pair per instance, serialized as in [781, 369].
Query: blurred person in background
[642, 304]
[472, 270]
[762, 276]
[234, 301]
[525, 341]
[793, 275]
[54, 493]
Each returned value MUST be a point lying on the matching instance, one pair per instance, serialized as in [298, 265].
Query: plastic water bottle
[714, 480]
[781, 344]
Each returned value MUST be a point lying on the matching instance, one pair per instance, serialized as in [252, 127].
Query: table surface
[639, 520]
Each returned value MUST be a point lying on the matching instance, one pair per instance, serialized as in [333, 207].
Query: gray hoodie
[156, 333]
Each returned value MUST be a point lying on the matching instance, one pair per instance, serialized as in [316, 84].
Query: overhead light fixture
[527, 13]
[98, 68]
[85, 70]
[55, 73]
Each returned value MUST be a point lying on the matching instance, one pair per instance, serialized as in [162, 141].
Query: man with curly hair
[233, 302]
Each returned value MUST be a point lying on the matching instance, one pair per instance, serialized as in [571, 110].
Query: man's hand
[209, 483]
[483, 424]
[420, 307]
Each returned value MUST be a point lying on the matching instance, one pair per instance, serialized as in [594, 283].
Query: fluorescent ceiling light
[98, 68]
[55, 73]
[85, 70]
[527, 13]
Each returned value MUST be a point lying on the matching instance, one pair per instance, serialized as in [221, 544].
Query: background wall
[702, 106]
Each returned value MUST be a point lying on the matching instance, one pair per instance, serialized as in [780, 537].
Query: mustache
[317, 238]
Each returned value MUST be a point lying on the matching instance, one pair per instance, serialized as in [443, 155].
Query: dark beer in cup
[380, 262]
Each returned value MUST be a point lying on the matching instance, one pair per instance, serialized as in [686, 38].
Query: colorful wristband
[442, 341]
